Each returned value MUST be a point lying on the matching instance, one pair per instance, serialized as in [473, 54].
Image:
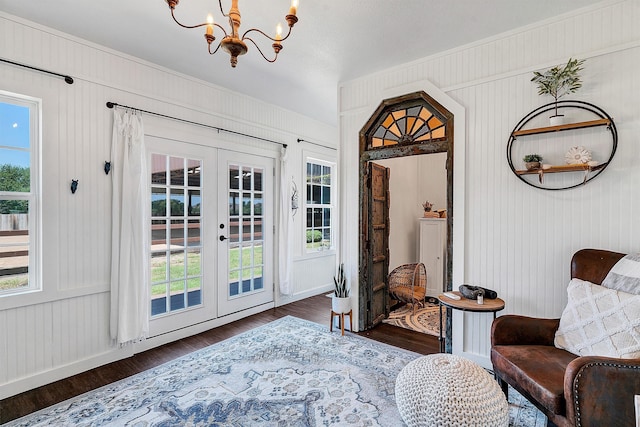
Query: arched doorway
[408, 125]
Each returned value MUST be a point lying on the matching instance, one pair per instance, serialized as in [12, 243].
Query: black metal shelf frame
[568, 104]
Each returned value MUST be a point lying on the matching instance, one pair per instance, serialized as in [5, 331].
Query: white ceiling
[334, 40]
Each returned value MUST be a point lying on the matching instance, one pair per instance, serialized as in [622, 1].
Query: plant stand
[341, 320]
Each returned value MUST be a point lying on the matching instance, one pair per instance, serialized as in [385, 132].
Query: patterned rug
[290, 372]
[425, 320]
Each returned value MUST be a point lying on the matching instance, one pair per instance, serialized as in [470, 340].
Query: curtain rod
[114, 104]
[67, 79]
[315, 143]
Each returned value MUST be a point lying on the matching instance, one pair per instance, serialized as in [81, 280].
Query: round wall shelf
[573, 153]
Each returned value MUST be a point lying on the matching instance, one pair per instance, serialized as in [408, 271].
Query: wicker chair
[408, 283]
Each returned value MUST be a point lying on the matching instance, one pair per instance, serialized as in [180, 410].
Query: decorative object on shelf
[558, 82]
[74, 186]
[577, 155]
[532, 161]
[427, 210]
[233, 43]
[590, 168]
[340, 301]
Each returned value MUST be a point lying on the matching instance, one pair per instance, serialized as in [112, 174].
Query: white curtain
[285, 257]
[130, 303]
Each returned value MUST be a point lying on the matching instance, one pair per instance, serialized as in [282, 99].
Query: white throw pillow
[625, 275]
[599, 322]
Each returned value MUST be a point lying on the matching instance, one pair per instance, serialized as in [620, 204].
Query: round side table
[464, 304]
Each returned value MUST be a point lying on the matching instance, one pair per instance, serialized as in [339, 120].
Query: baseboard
[61, 372]
[46, 377]
[288, 299]
[198, 328]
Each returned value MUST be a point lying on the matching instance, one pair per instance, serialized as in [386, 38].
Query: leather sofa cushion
[537, 369]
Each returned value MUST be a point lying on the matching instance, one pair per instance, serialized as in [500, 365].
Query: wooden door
[376, 244]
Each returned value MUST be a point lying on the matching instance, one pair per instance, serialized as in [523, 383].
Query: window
[412, 125]
[19, 134]
[319, 205]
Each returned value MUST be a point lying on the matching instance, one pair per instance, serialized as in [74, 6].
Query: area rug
[290, 372]
[425, 320]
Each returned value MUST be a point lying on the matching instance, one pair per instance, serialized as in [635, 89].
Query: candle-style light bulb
[209, 24]
[294, 7]
[279, 32]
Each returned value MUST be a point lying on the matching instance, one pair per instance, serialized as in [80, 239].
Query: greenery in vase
[532, 158]
[559, 81]
[340, 281]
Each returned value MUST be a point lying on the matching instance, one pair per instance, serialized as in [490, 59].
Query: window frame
[33, 197]
[313, 158]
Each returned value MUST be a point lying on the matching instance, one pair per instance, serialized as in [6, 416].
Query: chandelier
[232, 42]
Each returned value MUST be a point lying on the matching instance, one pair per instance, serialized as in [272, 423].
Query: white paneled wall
[518, 239]
[64, 329]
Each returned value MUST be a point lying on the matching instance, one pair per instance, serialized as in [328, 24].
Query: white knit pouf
[448, 390]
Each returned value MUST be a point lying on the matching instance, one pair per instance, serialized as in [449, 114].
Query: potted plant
[427, 210]
[340, 301]
[558, 82]
[532, 161]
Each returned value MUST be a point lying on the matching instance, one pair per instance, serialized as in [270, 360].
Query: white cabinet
[432, 250]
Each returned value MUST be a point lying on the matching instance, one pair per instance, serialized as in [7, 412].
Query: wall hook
[74, 186]
[107, 167]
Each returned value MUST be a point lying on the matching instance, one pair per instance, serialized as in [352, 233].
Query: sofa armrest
[600, 391]
[521, 330]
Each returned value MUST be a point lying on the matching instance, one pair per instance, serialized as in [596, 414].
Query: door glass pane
[247, 179]
[246, 204]
[193, 236]
[158, 201]
[193, 203]
[234, 230]
[234, 177]
[177, 234]
[193, 172]
[158, 169]
[158, 235]
[176, 261]
[177, 266]
[257, 179]
[234, 203]
[257, 204]
[176, 168]
[177, 202]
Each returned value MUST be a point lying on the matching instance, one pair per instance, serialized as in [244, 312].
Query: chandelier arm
[244, 36]
[214, 52]
[215, 24]
[221, 10]
[260, 50]
[188, 26]
[221, 29]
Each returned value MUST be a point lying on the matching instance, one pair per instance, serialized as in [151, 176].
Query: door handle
[223, 238]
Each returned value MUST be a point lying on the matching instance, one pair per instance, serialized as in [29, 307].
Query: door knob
[223, 238]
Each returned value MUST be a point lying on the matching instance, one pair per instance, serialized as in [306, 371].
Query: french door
[245, 232]
[193, 273]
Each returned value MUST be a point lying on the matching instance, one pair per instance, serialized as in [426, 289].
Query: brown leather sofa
[569, 390]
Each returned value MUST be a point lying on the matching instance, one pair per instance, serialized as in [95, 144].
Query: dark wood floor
[315, 309]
